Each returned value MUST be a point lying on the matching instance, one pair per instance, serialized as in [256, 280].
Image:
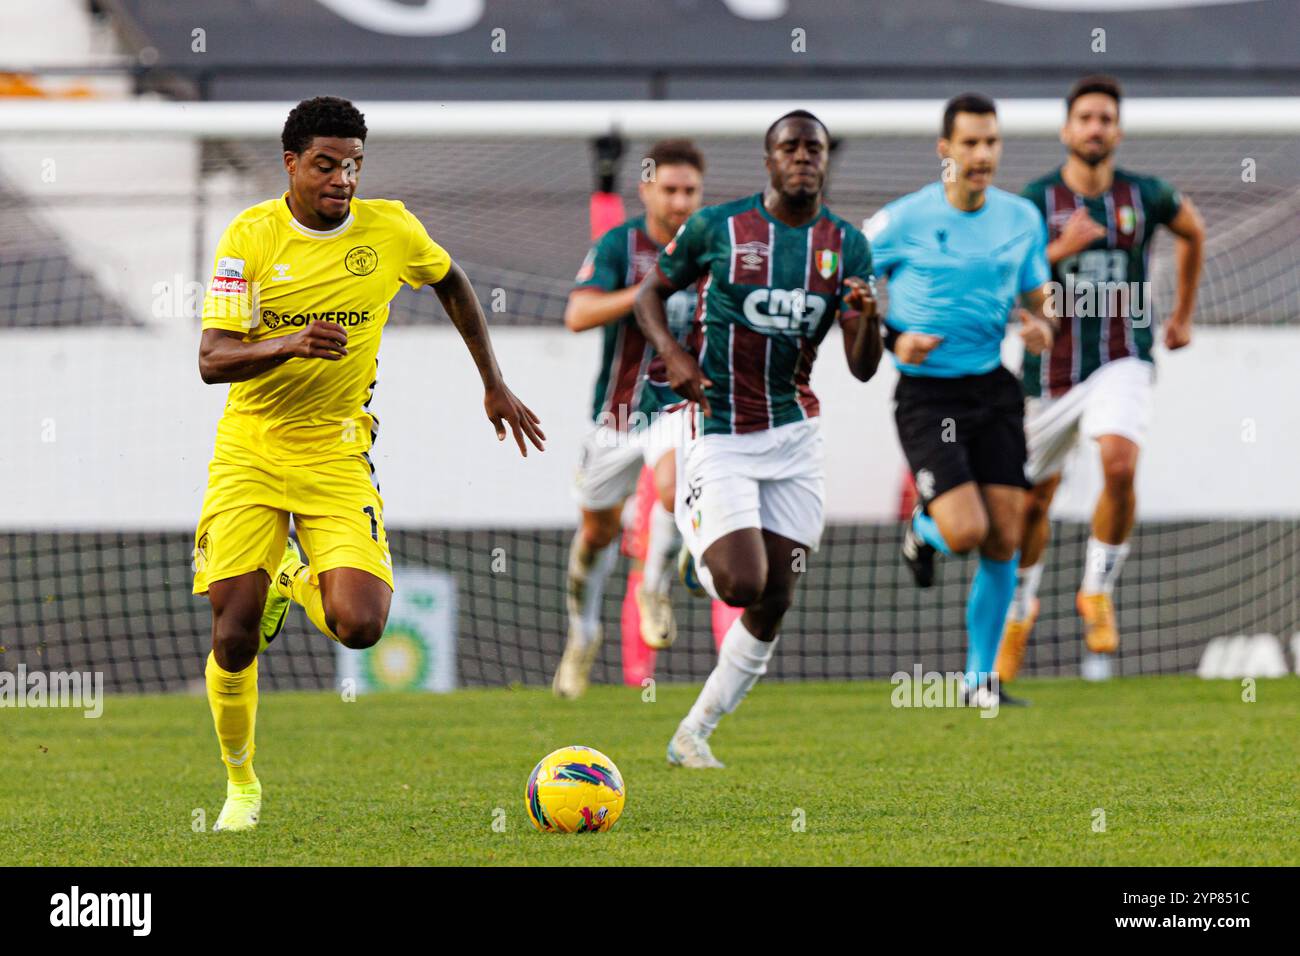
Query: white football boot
[574, 673]
[658, 627]
[690, 749]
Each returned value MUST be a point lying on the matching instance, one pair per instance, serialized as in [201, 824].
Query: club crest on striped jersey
[827, 262]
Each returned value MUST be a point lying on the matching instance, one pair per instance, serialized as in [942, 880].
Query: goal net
[107, 228]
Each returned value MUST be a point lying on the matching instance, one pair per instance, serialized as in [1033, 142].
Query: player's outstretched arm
[590, 308]
[863, 345]
[502, 407]
[225, 356]
[1189, 254]
[684, 374]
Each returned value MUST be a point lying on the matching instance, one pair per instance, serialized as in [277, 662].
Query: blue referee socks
[986, 613]
[928, 531]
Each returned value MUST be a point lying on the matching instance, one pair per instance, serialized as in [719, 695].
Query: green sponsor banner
[418, 649]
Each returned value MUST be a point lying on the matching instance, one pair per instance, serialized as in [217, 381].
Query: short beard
[801, 196]
[666, 225]
[1094, 162]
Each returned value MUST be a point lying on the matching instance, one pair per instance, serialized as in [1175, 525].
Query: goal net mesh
[513, 212]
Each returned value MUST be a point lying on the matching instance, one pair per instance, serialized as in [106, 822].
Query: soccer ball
[574, 790]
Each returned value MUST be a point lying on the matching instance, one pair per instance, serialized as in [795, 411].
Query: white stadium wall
[112, 428]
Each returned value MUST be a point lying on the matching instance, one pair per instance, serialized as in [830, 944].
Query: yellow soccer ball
[574, 790]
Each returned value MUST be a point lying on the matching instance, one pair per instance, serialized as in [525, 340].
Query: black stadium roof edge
[501, 49]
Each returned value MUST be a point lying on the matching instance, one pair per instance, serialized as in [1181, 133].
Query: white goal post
[1150, 116]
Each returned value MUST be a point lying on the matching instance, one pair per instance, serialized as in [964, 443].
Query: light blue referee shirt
[957, 274]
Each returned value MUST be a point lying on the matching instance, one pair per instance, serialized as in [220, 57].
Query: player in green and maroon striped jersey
[1096, 381]
[776, 270]
[628, 428]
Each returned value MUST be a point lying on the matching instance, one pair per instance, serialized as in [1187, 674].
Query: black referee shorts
[955, 430]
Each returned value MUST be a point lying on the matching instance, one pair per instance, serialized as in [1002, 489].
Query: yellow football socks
[233, 699]
[304, 588]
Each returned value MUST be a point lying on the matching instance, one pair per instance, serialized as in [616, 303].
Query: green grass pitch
[1184, 771]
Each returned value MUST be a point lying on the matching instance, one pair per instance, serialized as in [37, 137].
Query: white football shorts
[610, 461]
[1114, 400]
[773, 479]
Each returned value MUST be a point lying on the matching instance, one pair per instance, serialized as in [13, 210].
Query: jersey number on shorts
[374, 524]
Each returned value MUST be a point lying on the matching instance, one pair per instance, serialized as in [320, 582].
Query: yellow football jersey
[273, 275]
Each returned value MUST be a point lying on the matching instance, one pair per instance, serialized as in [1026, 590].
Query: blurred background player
[1097, 379]
[958, 253]
[300, 344]
[777, 269]
[629, 427]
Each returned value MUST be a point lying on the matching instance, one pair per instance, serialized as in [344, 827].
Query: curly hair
[321, 116]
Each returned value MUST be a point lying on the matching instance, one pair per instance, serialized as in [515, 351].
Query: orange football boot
[1015, 638]
[1100, 633]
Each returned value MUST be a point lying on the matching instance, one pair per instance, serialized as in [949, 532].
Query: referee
[957, 254]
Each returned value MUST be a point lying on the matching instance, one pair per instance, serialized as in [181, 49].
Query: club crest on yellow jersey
[361, 260]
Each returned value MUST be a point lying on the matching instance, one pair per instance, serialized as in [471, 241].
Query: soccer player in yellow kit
[299, 296]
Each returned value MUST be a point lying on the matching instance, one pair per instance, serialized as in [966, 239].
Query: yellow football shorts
[336, 508]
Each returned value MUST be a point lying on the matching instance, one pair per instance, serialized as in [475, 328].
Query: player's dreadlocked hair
[321, 116]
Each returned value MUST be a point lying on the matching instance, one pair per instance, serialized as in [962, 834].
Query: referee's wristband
[890, 335]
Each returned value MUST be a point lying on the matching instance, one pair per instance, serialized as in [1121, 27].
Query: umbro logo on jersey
[644, 263]
[752, 254]
[1059, 219]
